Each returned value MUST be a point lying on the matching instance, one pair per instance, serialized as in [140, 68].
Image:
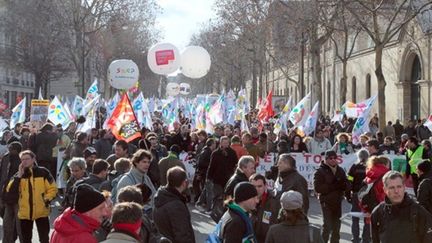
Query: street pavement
[203, 224]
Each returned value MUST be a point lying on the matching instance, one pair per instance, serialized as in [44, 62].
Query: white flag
[299, 113]
[57, 113]
[18, 113]
[361, 126]
[309, 126]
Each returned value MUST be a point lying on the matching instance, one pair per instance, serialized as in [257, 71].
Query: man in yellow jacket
[33, 187]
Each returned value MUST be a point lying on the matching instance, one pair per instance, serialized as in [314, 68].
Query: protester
[138, 175]
[90, 156]
[78, 145]
[343, 146]
[267, 209]
[388, 147]
[236, 226]
[290, 179]
[414, 155]
[237, 147]
[245, 168]
[44, 143]
[120, 151]
[126, 221]
[319, 144]
[121, 167]
[77, 167]
[356, 176]
[98, 178]
[297, 145]
[8, 168]
[171, 214]
[200, 177]
[424, 193]
[251, 148]
[103, 145]
[294, 226]
[158, 152]
[169, 162]
[389, 130]
[31, 180]
[330, 184]
[399, 218]
[77, 224]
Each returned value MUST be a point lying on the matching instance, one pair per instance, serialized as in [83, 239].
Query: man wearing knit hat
[236, 226]
[294, 226]
[78, 224]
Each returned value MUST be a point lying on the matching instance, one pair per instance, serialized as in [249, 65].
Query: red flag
[266, 110]
[123, 122]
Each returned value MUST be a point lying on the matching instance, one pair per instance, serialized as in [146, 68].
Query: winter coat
[8, 167]
[330, 187]
[405, 222]
[399, 129]
[120, 237]
[254, 151]
[167, 163]
[76, 149]
[292, 180]
[134, 177]
[356, 175]
[34, 190]
[44, 143]
[222, 165]
[389, 131]
[315, 146]
[104, 148]
[423, 132]
[238, 177]
[74, 227]
[424, 191]
[185, 143]
[203, 161]
[153, 172]
[300, 232]
[373, 174]
[171, 216]
[235, 224]
[96, 182]
[239, 150]
[302, 148]
[265, 215]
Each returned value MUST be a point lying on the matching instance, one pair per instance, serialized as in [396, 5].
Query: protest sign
[39, 110]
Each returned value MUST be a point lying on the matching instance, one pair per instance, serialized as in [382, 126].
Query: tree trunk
[254, 83]
[343, 84]
[381, 86]
[316, 70]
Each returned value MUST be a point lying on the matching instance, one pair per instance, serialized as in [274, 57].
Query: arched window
[354, 89]
[368, 86]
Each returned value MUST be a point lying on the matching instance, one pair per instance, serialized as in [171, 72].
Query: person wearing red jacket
[78, 224]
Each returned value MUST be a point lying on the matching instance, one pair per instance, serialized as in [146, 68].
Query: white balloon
[195, 62]
[163, 58]
[185, 88]
[172, 89]
[123, 74]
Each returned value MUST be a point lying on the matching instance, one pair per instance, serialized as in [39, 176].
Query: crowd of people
[140, 191]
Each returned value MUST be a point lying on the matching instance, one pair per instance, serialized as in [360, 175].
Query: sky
[180, 19]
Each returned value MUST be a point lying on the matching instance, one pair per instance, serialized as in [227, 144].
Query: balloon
[172, 89]
[185, 88]
[163, 58]
[195, 62]
[123, 74]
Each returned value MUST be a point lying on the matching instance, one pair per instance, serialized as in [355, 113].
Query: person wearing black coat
[222, 163]
[171, 214]
[424, 192]
[201, 174]
[245, 168]
[290, 179]
[399, 218]
[330, 184]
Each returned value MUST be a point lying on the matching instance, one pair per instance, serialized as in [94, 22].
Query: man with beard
[290, 179]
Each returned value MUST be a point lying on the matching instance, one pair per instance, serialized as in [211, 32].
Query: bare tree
[35, 40]
[383, 20]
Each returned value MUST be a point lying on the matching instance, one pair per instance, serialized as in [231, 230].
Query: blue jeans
[355, 227]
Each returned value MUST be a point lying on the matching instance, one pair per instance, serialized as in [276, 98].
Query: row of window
[16, 81]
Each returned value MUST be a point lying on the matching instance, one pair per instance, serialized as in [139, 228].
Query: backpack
[367, 197]
[213, 237]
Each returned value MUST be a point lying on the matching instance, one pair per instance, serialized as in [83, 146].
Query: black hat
[87, 198]
[244, 191]
[330, 153]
